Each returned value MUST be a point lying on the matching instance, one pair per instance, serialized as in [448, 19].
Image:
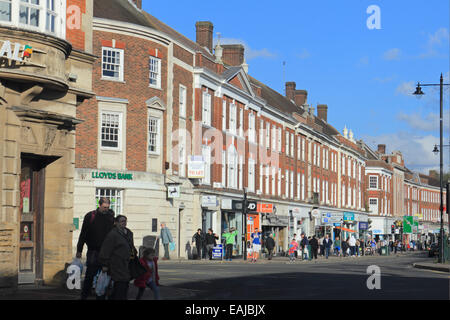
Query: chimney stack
[138, 3]
[298, 96]
[290, 90]
[233, 54]
[204, 34]
[322, 112]
[382, 148]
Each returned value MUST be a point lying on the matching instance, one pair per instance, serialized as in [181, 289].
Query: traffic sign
[408, 223]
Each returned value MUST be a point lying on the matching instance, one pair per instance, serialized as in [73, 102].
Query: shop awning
[345, 229]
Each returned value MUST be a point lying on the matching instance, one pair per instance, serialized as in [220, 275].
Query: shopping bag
[102, 283]
[172, 246]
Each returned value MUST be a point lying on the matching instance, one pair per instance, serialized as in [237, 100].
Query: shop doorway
[32, 187]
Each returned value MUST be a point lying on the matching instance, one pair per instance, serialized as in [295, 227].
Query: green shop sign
[112, 175]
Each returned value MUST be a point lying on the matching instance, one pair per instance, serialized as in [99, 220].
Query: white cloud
[416, 150]
[406, 88]
[304, 54]
[249, 52]
[430, 122]
[435, 41]
[392, 54]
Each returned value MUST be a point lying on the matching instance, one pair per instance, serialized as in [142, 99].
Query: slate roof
[124, 11]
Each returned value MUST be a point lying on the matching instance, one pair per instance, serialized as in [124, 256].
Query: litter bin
[384, 251]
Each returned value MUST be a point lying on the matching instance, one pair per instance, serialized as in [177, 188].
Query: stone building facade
[43, 80]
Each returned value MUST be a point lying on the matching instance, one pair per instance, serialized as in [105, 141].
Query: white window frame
[267, 135]
[115, 197]
[241, 122]
[206, 153]
[119, 116]
[232, 121]
[279, 182]
[251, 175]
[206, 108]
[292, 146]
[291, 185]
[273, 180]
[154, 72]
[224, 168]
[286, 184]
[274, 138]
[120, 65]
[182, 157]
[266, 179]
[157, 150]
[251, 128]
[261, 132]
[279, 139]
[59, 13]
[286, 143]
[182, 101]
[371, 182]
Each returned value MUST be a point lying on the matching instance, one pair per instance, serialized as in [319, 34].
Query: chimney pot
[382, 148]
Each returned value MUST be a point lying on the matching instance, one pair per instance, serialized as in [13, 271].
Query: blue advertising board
[217, 252]
[363, 225]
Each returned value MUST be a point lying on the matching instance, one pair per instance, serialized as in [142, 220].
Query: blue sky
[365, 76]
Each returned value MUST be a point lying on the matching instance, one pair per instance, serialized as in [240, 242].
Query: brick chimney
[138, 3]
[300, 97]
[204, 34]
[382, 148]
[233, 54]
[322, 111]
[290, 90]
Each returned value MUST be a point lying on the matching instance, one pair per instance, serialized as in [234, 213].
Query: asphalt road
[332, 279]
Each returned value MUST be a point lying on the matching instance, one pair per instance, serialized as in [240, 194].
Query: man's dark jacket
[94, 231]
[211, 239]
[270, 243]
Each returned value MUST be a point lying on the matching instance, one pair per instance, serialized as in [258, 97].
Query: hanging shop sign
[209, 201]
[349, 216]
[265, 207]
[111, 175]
[315, 213]
[173, 191]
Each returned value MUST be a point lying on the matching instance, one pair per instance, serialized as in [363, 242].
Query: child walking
[150, 278]
[293, 247]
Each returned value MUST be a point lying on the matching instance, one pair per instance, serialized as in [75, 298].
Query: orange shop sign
[264, 208]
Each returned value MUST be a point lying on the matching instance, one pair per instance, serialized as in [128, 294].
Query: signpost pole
[244, 213]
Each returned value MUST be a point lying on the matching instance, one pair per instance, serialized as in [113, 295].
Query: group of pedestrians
[111, 250]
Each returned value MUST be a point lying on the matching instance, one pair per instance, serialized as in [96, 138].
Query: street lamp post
[419, 92]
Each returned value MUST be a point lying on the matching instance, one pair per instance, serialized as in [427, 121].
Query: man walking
[314, 247]
[210, 240]
[166, 238]
[352, 245]
[199, 240]
[96, 226]
[327, 243]
[304, 243]
[270, 245]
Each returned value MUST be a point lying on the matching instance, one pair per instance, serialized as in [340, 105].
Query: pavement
[42, 292]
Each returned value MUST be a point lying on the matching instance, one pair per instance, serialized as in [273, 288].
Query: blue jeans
[152, 285]
[327, 252]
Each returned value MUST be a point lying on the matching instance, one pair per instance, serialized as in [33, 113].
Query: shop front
[299, 221]
[278, 226]
[232, 217]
